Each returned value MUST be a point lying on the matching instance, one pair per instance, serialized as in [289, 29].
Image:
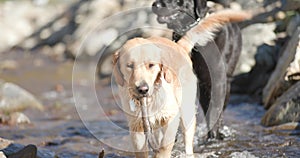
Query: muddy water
[66, 130]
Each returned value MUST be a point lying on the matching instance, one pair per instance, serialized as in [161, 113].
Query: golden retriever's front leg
[188, 115]
[188, 123]
[189, 131]
[164, 152]
[169, 135]
[139, 144]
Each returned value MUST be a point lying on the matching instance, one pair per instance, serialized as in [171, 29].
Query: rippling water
[60, 129]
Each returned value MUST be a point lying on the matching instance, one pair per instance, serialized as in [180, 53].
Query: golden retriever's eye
[150, 65]
[129, 65]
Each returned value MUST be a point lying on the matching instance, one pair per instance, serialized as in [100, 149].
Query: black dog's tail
[205, 30]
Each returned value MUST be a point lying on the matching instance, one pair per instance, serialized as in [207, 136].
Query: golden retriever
[160, 71]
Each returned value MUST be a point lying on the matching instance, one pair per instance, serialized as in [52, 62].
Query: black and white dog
[182, 15]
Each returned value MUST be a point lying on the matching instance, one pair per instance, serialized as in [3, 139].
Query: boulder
[264, 34]
[290, 5]
[277, 84]
[293, 24]
[4, 143]
[285, 109]
[14, 98]
[293, 71]
[18, 118]
[19, 19]
[254, 81]
[18, 150]
[244, 154]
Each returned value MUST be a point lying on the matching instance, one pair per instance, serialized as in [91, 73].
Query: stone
[285, 109]
[29, 151]
[276, 84]
[288, 5]
[286, 127]
[254, 81]
[18, 118]
[293, 24]
[40, 153]
[92, 37]
[99, 40]
[293, 71]
[4, 143]
[244, 154]
[264, 34]
[40, 2]
[226, 132]
[14, 98]
[23, 21]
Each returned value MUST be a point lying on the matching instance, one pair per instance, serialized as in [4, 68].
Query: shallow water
[75, 131]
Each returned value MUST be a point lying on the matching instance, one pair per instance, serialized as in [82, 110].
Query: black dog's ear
[200, 8]
[116, 69]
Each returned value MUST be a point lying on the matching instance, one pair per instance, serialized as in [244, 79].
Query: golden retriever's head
[138, 66]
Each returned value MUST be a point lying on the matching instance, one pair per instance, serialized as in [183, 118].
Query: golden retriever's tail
[205, 30]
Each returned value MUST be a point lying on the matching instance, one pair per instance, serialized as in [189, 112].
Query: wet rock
[264, 34]
[290, 5]
[40, 2]
[293, 24]
[244, 154]
[286, 126]
[18, 118]
[226, 132]
[16, 25]
[276, 84]
[285, 109]
[4, 143]
[96, 41]
[254, 81]
[293, 71]
[29, 151]
[15, 118]
[14, 148]
[109, 27]
[225, 3]
[14, 98]
[248, 4]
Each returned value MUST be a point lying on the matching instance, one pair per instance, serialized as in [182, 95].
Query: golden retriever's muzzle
[142, 89]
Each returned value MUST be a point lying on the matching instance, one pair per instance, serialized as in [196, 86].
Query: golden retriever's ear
[116, 70]
[167, 74]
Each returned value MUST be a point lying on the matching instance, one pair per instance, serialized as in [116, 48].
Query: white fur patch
[132, 105]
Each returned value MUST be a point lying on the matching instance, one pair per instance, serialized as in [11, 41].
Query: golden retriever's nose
[143, 88]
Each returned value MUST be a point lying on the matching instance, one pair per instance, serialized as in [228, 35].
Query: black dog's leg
[230, 35]
[231, 51]
[204, 87]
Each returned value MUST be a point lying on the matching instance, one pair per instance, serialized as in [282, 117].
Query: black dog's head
[179, 15]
